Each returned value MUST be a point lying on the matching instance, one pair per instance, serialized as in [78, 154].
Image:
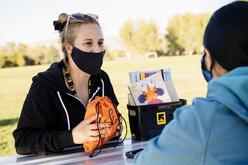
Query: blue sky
[30, 21]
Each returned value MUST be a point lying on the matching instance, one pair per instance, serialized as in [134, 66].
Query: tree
[20, 54]
[43, 54]
[140, 36]
[114, 54]
[52, 54]
[9, 55]
[163, 47]
[185, 33]
[127, 33]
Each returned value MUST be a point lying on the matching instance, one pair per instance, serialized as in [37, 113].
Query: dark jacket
[51, 111]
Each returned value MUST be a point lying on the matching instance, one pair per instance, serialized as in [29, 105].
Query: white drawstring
[102, 87]
[98, 88]
[63, 105]
[66, 113]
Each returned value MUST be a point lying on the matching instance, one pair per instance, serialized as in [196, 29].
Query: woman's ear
[68, 48]
[208, 60]
[217, 69]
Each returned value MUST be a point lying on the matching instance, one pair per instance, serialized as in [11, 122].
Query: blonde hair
[69, 26]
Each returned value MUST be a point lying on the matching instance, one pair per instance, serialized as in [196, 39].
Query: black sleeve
[108, 89]
[36, 133]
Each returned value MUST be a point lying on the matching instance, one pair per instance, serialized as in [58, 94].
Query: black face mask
[86, 61]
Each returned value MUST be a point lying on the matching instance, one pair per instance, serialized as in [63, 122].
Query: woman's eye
[88, 43]
[100, 43]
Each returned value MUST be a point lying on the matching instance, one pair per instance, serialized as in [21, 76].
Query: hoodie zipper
[66, 112]
[98, 88]
[76, 98]
[65, 109]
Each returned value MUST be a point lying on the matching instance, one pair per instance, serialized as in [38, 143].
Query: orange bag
[109, 113]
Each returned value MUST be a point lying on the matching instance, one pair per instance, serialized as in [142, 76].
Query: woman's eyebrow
[87, 39]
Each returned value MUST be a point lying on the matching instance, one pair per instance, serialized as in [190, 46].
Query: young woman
[53, 111]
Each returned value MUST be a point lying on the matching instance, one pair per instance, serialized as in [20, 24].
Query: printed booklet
[151, 90]
[151, 87]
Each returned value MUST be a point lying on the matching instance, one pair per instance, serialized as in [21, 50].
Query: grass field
[15, 82]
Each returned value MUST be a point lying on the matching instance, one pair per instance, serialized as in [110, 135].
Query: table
[75, 156]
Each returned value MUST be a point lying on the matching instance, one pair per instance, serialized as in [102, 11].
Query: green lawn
[15, 82]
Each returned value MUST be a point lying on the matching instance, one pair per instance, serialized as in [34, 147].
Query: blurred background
[139, 35]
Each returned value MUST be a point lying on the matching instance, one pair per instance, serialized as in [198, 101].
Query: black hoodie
[51, 111]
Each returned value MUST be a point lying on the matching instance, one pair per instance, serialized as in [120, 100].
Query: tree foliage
[140, 36]
[114, 54]
[20, 55]
[185, 33]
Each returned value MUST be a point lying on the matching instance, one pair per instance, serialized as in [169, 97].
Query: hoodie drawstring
[102, 87]
[63, 105]
[98, 88]
[66, 112]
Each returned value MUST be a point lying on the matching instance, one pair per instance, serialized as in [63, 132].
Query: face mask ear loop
[212, 64]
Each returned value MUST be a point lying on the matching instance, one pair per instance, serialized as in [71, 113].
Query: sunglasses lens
[80, 16]
[93, 16]
[77, 16]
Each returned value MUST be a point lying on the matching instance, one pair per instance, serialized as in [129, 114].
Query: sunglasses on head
[80, 17]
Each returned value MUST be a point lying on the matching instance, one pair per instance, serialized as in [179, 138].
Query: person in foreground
[53, 111]
[213, 130]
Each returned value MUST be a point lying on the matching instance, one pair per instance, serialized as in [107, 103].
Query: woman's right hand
[86, 132]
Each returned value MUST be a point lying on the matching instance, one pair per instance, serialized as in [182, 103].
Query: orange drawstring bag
[109, 113]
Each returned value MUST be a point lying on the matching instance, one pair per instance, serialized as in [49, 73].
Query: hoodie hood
[52, 78]
[231, 90]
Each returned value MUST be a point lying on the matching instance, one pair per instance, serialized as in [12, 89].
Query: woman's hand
[86, 132]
